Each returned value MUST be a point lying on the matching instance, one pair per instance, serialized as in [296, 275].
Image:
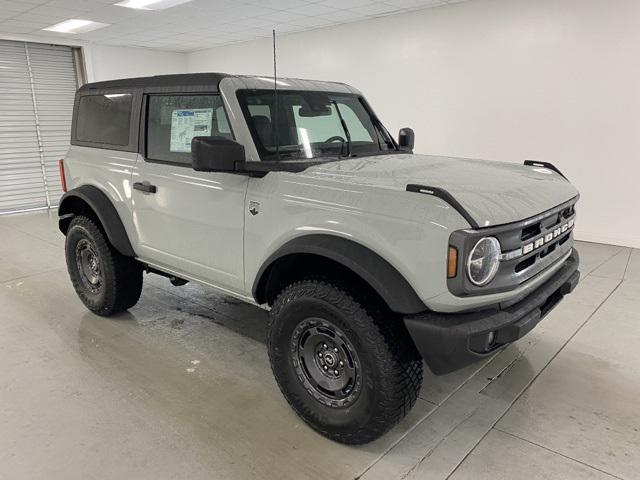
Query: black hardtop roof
[178, 80]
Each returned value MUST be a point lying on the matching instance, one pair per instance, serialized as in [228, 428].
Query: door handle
[145, 187]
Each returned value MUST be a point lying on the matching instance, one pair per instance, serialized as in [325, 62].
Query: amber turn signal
[452, 262]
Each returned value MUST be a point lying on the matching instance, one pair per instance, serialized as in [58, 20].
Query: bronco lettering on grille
[547, 238]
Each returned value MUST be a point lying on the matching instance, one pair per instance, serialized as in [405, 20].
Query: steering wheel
[335, 138]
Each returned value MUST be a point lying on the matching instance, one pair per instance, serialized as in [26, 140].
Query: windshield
[312, 125]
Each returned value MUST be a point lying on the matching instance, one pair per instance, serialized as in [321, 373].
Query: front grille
[530, 232]
[554, 230]
[529, 247]
[534, 230]
[523, 265]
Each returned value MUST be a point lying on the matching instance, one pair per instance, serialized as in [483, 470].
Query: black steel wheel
[327, 362]
[348, 368]
[106, 281]
[88, 264]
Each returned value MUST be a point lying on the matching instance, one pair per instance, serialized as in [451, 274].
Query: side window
[222, 122]
[104, 119]
[173, 120]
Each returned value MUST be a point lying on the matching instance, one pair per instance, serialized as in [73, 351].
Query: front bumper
[450, 341]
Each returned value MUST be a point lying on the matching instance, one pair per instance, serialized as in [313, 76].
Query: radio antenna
[275, 97]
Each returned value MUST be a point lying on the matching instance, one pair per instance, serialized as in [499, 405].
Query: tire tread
[400, 365]
[123, 286]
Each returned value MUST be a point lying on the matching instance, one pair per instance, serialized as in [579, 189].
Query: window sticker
[189, 123]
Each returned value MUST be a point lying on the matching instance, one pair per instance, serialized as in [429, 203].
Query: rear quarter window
[104, 119]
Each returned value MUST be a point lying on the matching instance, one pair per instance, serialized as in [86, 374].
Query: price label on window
[189, 123]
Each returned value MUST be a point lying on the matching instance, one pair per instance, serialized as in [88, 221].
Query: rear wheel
[106, 281]
[349, 371]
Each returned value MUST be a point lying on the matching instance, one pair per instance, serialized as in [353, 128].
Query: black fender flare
[377, 272]
[103, 208]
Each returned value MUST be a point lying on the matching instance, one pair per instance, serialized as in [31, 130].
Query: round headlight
[484, 261]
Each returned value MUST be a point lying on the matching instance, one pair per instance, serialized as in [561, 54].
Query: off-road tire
[391, 368]
[121, 277]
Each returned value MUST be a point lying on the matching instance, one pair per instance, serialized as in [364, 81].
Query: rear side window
[104, 119]
[173, 120]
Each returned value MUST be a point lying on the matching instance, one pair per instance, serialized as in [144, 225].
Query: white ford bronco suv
[291, 195]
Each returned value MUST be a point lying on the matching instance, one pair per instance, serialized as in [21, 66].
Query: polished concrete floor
[180, 387]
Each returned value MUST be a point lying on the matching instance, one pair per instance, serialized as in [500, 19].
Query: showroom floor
[180, 387]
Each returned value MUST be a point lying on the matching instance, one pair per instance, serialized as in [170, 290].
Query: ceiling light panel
[75, 25]
[150, 4]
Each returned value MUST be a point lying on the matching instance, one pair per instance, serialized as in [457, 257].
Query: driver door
[188, 222]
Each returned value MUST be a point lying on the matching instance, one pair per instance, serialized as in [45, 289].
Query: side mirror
[406, 139]
[215, 154]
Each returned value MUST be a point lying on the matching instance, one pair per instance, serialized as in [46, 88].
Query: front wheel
[346, 370]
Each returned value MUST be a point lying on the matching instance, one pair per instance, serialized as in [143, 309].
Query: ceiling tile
[282, 16]
[255, 22]
[313, 9]
[112, 14]
[346, 4]
[373, 9]
[14, 6]
[54, 10]
[281, 4]
[287, 28]
[77, 5]
[21, 25]
[314, 22]
[44, 20]
[198, 24]
[412, 4]
[341, 16]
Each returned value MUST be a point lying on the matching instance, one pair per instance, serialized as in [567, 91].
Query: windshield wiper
[344, 127]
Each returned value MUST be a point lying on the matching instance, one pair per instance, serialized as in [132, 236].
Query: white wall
[554, 80]
[106, 62]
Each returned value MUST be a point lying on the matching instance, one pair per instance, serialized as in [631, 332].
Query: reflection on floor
[180, 387]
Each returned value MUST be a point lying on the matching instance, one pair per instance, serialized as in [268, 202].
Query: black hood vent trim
[442, 194]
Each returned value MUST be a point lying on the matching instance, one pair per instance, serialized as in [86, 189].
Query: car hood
[493, 193]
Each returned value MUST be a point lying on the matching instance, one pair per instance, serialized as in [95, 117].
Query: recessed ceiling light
[75, 25]
[150, 4]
